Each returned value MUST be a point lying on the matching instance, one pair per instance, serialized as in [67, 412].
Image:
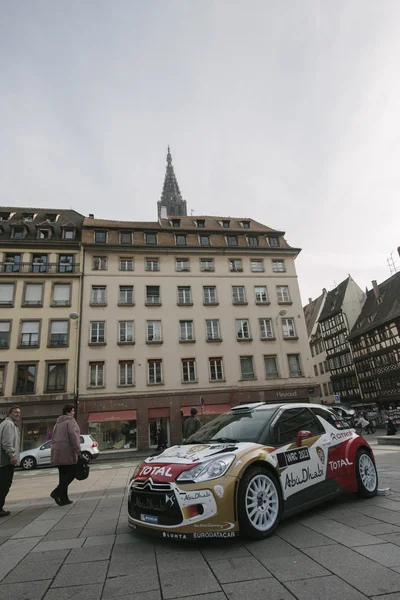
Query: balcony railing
[58, 339]
[35, 267]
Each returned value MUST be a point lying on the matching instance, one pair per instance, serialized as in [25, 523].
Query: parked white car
[30, 459]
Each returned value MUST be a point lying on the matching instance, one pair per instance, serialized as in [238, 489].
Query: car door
[44, 454]
[302, 468]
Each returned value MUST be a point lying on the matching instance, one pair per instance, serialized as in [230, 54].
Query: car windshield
[240, 426]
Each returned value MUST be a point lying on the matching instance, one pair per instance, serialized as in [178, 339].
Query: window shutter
[61, 293]
[30, 327]
[33, 293]
[6, 293]
[59, 327]
[5, 326]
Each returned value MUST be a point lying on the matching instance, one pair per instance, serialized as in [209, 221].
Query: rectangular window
[212, 329]
[69, 234]
[150, 238]
[39, 263]
[125, 238]
[25, 379]
[126, 372]
[273, 241]
[182, 264]
[245, 224]
[180, 239]
[288, 328]
[99, 263]
[225, 224]
[316, 370]
[242, 329]
[58, 333]
[126, 263]
[6, 294]
[33, 294]
[154, 331]
[210, 295]
[176, 222]
[261, 294]
[153, 294]
[235, 265]
[283, 293]
[126, 295]
[326, 368]
[152, 264]
[257, 266]
[97, 332]
[330, 387]
[62, 294]
[99, 294]
[96, 374]
[238, 295]
[204, 240]
[294, 365]
[5, 328]
[100, 237]
[189, 370]
[126, 332]
[44, 234]
[66, 263]
[326, 389]
[12, 263]
[247, 367]
[201, 223]
[207, 264]
[321, 368]
[154, 369]
[18, 233]
[56, 377]
[184, 295]
[2, 379]
[232, 240]
[216, 369]
[186, 331]
[278, 266]
[271, 367]
[30, 334]
[266, 331]
[252, 241]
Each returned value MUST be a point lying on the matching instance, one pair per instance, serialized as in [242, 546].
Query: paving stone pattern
[348, 549]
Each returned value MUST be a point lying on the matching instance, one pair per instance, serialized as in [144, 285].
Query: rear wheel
[28, 463]
[367, 476]
[259, 503]
[87, 456]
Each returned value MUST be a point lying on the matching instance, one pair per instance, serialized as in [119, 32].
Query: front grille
[154, 500]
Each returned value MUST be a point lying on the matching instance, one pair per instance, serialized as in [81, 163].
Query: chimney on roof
[324, 290]
[376, 288]
[91, 216]
[309, 300]
[164, 214]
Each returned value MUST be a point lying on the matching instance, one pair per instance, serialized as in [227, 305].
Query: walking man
[191, 425]
[9, 453]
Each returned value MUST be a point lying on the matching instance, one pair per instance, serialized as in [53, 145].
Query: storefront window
[114, 435]
[154, 426]
[36, 433]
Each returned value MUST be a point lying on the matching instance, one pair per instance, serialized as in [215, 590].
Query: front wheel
[87, 456]
[367, 476]
[259, 503]
[28, 463]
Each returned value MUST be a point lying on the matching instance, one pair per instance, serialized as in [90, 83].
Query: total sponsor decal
[153, 471]
[307, 474]
[338, 464]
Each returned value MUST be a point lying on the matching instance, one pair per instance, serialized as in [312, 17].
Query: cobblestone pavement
[348, 549]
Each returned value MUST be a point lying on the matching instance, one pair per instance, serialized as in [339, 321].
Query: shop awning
[209, 409]
[158, 413]
[119, 415]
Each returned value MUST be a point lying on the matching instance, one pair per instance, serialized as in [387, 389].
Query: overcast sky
[287, 112]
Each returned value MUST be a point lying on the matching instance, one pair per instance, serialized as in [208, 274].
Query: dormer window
[150, 238]
[252, 241]
[69, 234]
[225, 224]
[28, 218]
[245, 224]
[201, 223]
[181, 240]
[273, 241]
[125, 237]
[18, 233]
[4, 216]
[44, 234]
[51, 217]
[175, 222]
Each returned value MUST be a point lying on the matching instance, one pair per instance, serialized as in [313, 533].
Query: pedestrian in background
[191, 425]
[10, 441]
[65, 448]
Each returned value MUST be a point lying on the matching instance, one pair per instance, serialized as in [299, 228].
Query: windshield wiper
[223, 440]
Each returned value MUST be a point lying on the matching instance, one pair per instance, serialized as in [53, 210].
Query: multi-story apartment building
[375, 342]
[182, 312]
[341, 309]
[39, 298]
[323, 390]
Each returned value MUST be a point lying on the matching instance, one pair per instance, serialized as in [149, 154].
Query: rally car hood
[194, 453]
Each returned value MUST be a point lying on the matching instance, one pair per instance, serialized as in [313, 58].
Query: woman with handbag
[65, 449]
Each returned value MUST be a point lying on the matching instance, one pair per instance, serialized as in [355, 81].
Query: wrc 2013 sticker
[291, 457]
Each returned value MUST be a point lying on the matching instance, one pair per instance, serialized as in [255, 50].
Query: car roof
[264, 405]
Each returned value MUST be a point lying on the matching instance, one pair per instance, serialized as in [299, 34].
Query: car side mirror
[302, 435]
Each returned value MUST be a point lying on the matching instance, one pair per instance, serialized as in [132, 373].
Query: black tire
[363, 464]
[87, 456]
[28, 463]
[247, 528]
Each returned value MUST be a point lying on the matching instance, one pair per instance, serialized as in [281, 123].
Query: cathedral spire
[171, 197]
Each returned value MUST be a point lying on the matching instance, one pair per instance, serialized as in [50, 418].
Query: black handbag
[82, 469]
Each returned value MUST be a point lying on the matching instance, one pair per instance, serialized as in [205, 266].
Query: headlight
[209, 470]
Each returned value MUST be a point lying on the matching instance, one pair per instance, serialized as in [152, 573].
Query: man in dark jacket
[9, 453]
[191, 425]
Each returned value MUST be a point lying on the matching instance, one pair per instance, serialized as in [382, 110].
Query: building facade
[186, 311]
[375, 342]
[40, 280]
